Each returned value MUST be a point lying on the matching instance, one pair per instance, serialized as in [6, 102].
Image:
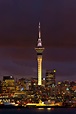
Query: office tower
[50, 78]
[39, 49]
[8, 85]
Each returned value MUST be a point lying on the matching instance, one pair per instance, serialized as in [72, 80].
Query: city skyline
[19, 33]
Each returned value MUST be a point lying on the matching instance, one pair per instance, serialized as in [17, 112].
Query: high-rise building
[50, 78]
[8, 84]
[39, 49]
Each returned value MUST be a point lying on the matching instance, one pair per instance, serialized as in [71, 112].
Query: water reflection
[48, 109]
[41, 108]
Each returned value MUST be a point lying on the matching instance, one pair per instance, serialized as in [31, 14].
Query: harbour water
[39, 110]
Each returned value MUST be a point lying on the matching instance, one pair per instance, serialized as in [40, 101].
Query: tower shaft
[39, 60]
[39, 64]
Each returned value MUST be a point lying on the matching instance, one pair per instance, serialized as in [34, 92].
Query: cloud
[60, 54]
[19, 23]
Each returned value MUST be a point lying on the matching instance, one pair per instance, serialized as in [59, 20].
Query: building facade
[50, 78]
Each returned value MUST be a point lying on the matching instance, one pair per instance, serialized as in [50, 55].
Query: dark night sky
[19, 32]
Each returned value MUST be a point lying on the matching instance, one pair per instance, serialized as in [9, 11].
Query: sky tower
[39, 49]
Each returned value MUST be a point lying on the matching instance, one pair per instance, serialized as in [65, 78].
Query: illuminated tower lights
[39, 49]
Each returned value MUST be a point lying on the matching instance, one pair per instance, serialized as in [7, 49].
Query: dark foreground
[38, 111]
